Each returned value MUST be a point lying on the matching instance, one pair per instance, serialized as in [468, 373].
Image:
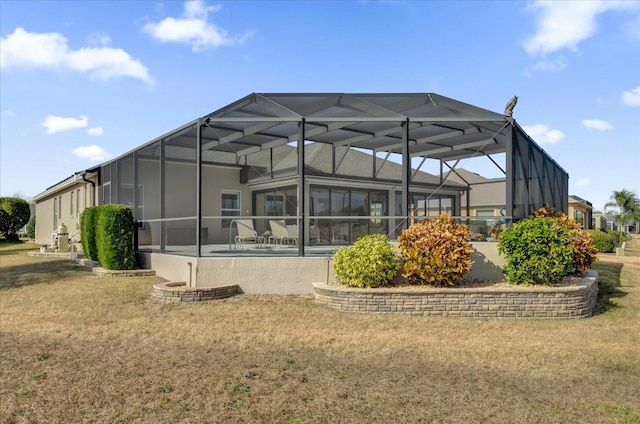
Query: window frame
[225, 223]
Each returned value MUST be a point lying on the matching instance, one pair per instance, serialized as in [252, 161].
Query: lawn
[78, 348]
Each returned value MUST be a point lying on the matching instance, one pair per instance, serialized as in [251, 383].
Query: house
[333, 166]
[581, 211]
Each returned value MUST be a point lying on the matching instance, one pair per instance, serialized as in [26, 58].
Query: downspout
[93, 190]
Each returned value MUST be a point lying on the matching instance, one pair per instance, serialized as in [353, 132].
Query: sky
[82, 82]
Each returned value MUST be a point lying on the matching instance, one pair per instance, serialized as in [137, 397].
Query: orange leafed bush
[436, 251]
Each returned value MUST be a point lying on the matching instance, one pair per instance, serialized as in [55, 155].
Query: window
[60, 207]
[578, 217]
[274, 205]
[230, 206]
[78, 202]
[485, 213]
[71, 203]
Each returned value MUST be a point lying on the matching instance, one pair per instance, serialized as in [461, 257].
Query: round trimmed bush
[370, 262]
[537, 250]
[436, 251]
[603, 241]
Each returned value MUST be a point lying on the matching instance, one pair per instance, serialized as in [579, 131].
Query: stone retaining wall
[102, 272]
[179, 292]
[570, 302]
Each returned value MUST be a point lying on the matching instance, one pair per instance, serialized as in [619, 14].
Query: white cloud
[584, 182]
[55, 124]
[597, 124]
[93, 153]
[564, 24]
[10, 113]
[543, 134]
[95, 131]
[632, 97]
[193, 28]
[24, 49]
[555, 65]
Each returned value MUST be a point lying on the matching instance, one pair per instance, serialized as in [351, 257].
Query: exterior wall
[60, 201]
[215, 180]
[282, 276]
[600, 222]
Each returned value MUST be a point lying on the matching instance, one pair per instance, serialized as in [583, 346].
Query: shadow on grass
[608, 286]
[38, 273]
[15, 247]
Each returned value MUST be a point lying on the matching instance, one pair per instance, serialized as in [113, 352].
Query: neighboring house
[63, 203]
[581, 211]
[600, 221]
[334, 166]
[484, 203]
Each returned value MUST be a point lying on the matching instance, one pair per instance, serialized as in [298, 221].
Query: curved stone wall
[516, 302]
[179, 292]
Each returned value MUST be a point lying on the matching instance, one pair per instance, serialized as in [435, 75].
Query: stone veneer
[517, 302]
[179, 292]
[103, 272]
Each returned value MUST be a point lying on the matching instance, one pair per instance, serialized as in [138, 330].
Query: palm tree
[627, 204]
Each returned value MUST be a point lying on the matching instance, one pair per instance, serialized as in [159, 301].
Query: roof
[355, 163]
[76, 178]
[437, 126]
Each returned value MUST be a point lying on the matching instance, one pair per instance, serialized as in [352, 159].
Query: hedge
[88, 232]
[114, 236]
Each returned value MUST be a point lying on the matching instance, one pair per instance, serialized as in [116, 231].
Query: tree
[17, 215]
[627, 204]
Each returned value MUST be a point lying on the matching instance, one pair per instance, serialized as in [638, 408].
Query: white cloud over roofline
[193, 28]
[23, 49]
[55, 124]
[93, 153]
[542, 134]
[597, 124]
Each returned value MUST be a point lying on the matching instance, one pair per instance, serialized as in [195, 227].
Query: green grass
[75, 347]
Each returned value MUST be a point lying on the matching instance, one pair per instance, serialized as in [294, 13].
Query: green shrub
[31, 227]
[603, 241]
[537, 250]
[18, 214]
[584, 250]
[114, 237]
[88, 232]
[617, 237]
[5, 223]
[370, 262]
[436, 251]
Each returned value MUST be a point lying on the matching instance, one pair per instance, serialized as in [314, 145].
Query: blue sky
[83, 82]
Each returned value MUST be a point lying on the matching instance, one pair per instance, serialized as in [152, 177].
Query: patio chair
[279, 231]
[293, 233]
[246, 233]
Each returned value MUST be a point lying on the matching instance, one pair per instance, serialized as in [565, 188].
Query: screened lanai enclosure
[301, 174]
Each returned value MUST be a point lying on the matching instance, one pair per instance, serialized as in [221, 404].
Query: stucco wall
[46, 223]
[280, 275]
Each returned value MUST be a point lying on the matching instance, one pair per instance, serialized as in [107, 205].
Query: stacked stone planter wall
[179, 292]
[569, 302]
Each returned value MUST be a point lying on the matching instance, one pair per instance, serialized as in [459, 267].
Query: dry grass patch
[79, 348]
